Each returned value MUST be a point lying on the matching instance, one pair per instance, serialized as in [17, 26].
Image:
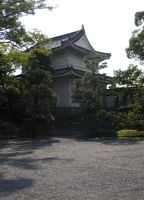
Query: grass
[130, 133]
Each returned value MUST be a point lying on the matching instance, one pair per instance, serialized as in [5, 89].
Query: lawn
[130, 133]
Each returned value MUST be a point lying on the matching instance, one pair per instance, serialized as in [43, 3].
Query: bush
[130, 133]
[7, 129]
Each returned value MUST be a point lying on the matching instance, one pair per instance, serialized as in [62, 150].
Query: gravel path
[69, 169]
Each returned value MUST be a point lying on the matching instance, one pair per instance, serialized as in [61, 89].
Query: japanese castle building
[69, 51]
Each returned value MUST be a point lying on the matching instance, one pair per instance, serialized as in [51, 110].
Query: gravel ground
[67, 169]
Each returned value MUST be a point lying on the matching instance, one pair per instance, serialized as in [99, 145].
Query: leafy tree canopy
[14, 39]
[17, 46]
[130, 77]
[12, 31]
[136, 43]
[89, 88]
[39, 97]
[94, 63]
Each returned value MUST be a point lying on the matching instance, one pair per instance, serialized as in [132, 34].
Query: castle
[68, 64]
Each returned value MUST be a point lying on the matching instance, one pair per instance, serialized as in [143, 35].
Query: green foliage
[131, 82]
[130, 133]
[109, 119]
[132, 79]
[136, 43]
[125, 85]
[12, 32]
[93, 63]
[30, 94]
[89, 88]
[7, 130]
[14, 41]
[40, 100]
[139, 18]
[128, 78]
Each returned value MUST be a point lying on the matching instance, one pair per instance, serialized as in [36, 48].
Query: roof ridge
[77, 35]
[71, 44]
[67, 35]
[72, 36]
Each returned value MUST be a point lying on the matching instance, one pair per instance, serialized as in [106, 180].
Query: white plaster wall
[83, 42]
[71, 83]
[60, 60]
[69, 58]
[61, 87]
[76, 59]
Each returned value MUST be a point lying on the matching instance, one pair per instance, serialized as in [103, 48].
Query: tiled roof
[68, 70]
[80, 49]
[71, 40]
[64, 37]
[75, 71]
[73, 36]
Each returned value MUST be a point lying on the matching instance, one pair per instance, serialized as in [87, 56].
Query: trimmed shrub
[130, 133]
[7, 129]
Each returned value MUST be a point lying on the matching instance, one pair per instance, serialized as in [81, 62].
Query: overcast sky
[108, 24]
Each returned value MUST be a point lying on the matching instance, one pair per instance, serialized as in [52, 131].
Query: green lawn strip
[130, 133]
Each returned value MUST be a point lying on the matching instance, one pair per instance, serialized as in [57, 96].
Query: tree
[129, 85]
[136, 50]
[136, 43]
[39, 98]
[21, 49]
[12, 32]
[125, 83]
[88, 91]
[89, 88]
[14, 41]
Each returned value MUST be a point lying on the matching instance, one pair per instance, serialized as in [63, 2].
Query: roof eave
[71, 45]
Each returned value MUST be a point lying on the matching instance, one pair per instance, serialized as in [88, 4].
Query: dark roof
[70, 40]
[80, 49]
[71, 45]
[68, 70]
[65, 36]
[73, 36]
[71, 70]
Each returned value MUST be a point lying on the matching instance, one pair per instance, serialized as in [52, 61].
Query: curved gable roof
[69, 37]
[80, 49]
[64, 37]
[77, 40]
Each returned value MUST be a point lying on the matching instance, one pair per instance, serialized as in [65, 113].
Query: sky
[108, 24]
